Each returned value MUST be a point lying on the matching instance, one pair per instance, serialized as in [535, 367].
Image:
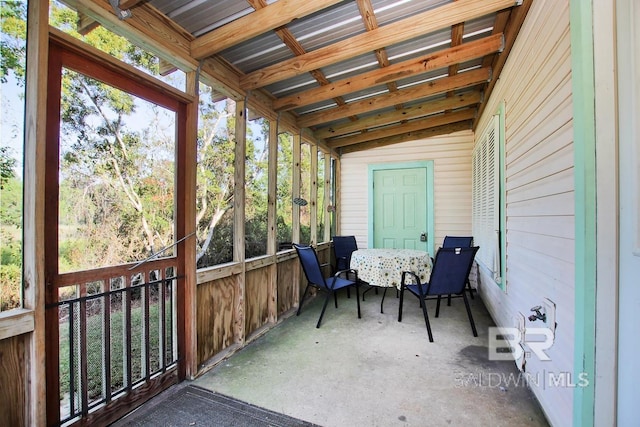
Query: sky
[12, 119]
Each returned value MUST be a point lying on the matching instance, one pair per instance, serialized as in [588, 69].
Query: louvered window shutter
[486, 198]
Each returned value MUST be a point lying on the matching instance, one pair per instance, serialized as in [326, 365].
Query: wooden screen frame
[70, 53]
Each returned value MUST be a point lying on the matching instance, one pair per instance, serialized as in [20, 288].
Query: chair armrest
[412, 274]
[345, 272]
[349, 270]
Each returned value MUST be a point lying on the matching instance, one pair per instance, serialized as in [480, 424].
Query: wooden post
[295, 187]
[338, 196]
[313, 195]
[271, 220]
[33, 226]
[327, 197]
[295, 192]
[188, 199]
[239, 217]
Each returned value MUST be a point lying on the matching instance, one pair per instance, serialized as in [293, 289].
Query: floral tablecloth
[384, 267]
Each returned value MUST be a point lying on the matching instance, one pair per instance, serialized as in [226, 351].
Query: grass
[98, 338]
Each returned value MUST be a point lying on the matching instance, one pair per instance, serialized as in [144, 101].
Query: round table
[384, 267]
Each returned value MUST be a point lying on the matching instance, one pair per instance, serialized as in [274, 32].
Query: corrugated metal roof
[333, 24]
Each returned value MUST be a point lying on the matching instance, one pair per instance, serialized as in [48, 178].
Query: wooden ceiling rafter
[264, 19]
[294, 45]
[371, 23]
[425, 90]
[405, 69]
[408, 137]
[460, 100]
[397, 32]
[457, 33]
[450, 102]
[405, 127]
[516, 18]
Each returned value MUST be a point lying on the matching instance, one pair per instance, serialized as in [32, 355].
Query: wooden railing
[117, 332]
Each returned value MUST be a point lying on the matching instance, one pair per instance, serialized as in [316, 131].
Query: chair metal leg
[470, 289]
[382, 302]
[449, 300]
[466, 304]
[400, 307]
[426, 320]
[358, 297]
[324, 307]
[335, 298]
[438, 307]
[304, 294]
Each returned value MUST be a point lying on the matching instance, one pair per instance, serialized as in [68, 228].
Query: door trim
[425, 164]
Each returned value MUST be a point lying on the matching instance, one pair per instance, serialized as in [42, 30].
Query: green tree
[7, 163]
[214, 192]
[13, 26]
[116, 180]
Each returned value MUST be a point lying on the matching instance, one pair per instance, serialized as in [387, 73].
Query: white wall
[451, 155]
[535, 86]
[629, 250]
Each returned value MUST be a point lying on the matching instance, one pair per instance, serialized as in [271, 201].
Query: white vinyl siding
[539, 191]
[451, 155]
[486, 198]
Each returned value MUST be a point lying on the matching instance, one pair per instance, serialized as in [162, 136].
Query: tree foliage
[13, 26]
[117, 163]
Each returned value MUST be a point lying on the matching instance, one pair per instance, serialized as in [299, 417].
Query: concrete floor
[375, 371]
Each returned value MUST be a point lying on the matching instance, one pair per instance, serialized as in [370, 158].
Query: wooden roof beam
[516, 19]
[440, 59]
[85, 24]
[266, 19]
[409, 136]
[406, 29]
[443, 85]
[147, 28]
[402, 128]
[459, 100]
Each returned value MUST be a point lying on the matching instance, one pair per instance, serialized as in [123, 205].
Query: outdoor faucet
[538, 315]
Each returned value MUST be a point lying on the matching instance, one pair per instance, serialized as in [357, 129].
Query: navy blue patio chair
[450, 270]
[342, 279]
[459, 242]
[343, 247]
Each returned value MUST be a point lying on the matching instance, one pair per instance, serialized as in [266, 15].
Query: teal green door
[400, 209]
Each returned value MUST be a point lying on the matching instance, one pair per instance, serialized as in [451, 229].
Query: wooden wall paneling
[13, 377]
[287, 274]
[256, 300]
[216, 317]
